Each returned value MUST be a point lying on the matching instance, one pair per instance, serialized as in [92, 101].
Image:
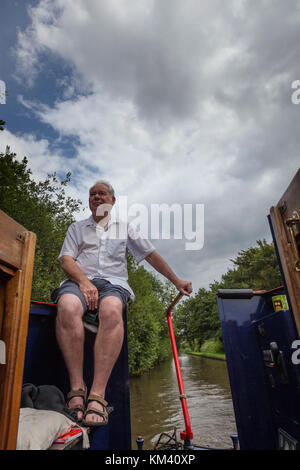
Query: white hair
[106, 183]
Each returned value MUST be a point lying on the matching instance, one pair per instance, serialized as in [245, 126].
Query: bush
[213, 346]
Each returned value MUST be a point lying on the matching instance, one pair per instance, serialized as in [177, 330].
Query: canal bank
[217, 356]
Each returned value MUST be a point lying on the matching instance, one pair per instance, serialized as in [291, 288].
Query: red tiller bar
[187, 433]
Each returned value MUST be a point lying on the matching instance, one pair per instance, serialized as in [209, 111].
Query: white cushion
[39, 428]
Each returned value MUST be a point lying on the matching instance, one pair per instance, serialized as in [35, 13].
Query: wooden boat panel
[17, 247]
[11, 246]
[287, 251]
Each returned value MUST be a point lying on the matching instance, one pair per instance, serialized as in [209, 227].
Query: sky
[185, 102]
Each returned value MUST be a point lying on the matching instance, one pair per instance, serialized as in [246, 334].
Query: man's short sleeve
[70, 245]
[138, 246]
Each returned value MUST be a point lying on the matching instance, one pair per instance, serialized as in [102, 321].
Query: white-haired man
[95, 264]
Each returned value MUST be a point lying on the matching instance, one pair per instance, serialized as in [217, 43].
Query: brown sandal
[103, 413]
[82, 393]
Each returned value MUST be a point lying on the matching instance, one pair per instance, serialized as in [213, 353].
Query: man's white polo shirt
[102, 252]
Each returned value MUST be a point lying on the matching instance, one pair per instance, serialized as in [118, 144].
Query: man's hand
[184, 287]
[90, 293]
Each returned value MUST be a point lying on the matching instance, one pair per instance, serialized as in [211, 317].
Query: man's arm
[74, 273]
[158, 263]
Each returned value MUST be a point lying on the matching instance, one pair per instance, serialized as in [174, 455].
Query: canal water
[156, 407]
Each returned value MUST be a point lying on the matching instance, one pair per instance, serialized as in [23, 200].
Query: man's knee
[69, 309]
[111, 312]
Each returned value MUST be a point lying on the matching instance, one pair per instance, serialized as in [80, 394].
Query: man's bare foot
[97, 411]
[94, 417]
[76, 401]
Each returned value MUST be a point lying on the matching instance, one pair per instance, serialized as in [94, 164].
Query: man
[94, 260]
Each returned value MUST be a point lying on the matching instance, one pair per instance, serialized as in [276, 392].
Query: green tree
[148, 342]
[42, 208]
[255, 268]
[197, 318]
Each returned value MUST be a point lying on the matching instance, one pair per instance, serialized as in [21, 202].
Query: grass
[219, 356]
[211, 348]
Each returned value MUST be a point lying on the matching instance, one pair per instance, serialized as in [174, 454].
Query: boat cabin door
[285, 224]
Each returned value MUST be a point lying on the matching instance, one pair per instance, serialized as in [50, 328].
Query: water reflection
[156, 407]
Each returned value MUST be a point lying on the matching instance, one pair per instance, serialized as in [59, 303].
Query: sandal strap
[101, 413]
[76, 393]
[77, 408]
[97, 398]
[81, 393]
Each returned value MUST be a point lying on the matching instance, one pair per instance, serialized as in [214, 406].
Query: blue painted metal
[264, 405]
[265, 394]
[44, 365]
[235, 441]
[140, 443]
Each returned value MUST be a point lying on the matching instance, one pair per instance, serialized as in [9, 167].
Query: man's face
[100, 194]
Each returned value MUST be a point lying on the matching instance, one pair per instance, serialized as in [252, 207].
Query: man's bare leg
[108, 344]
[70, 337]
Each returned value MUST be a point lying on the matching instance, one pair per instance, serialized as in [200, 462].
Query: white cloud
[41, 159]
[37, 151]
[183, 102]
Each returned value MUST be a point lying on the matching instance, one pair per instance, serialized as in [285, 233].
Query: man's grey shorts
[105, 289]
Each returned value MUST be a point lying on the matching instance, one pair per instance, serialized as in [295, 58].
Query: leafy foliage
[42, 208]
[148, 341]
[197, 319]
[256, 268]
